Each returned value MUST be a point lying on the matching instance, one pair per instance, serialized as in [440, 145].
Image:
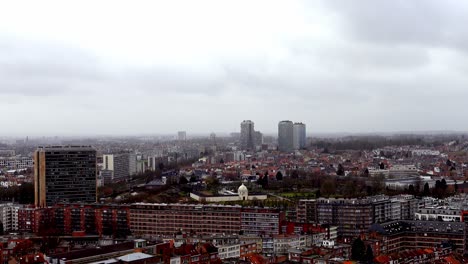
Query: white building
[282, 243]
[228, 251]
[17, 162]
[445, 214]
[242, 195]
[9, 216]
[299, 136]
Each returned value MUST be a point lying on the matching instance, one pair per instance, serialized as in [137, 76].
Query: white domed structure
[243, 192]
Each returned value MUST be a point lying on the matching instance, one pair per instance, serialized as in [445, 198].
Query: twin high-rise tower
[291, 136]
[249, 138]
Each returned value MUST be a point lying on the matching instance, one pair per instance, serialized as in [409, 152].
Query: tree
[369, 255]
[212, 182]
[265, 181]
[443, 184]
[378, 183]
[358, 250]
[279, 176]
[350, 189]
[183, 180]
[294, 174]
[426, 191]
[161, 166]
[26, 193]
[340, 171]
[366, 172]
[328, 188]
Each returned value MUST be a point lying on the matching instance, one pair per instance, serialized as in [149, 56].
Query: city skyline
[340, 67]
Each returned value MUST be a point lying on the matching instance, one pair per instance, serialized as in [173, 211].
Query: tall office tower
[116, 167]
[285, 136]
[258, 138]
[247, 137]
[299, 136]
[64, 173]
[213, 138]
[182, 135]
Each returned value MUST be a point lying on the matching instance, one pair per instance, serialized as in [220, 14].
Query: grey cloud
[172, 80]
[420, 22]
[42, 69]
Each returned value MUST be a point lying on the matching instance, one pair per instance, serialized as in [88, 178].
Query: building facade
[9, 216]
[17, 162]
[286, 136]
[299, 136]
[64, 173]
[118, 167]
[247, 135]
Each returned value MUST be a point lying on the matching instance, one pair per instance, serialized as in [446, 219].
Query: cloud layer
[146, 67]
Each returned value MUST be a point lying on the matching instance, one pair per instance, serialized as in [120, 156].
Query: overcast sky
[143, 67]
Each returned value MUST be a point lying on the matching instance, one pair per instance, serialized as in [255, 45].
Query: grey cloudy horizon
[157, 67]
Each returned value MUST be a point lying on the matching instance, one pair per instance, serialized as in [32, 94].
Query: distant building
[258, 138]
[182, 136]
[213, 138]
[16, 162]
[9, 216]
[64, 173]
[285, 136]
[299, 136]
[118, 167]
[247, 135]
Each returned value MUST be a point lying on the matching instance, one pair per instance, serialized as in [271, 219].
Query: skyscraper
[285, 136]
[64, 173]
[247, 137]
[299, 136]
[182, 135]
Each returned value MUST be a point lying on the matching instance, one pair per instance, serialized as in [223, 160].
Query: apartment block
[307, 211]
[64, 174]
[169, 219]
[9, 216]
[261, 221]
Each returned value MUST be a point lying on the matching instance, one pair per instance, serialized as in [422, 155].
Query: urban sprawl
[244, 197]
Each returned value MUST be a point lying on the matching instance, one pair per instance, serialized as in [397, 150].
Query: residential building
[307, 211]
[401, 235]
[261, 221]
[168, 219]
[247, 135]
[117, 167]
[299, 136]
[16, 162]
[64, 173]
[286, 136]
[352, 216]
[9, 216]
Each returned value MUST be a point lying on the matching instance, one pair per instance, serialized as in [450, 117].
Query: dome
[242, 189]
